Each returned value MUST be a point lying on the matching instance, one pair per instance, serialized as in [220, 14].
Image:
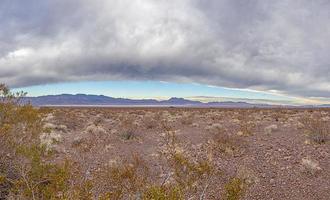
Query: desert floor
[277, 153]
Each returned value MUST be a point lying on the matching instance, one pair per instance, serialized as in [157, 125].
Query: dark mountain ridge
[101, 100]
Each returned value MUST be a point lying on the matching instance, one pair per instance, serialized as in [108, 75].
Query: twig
[167, 177]
[28, 185]
[204, 190]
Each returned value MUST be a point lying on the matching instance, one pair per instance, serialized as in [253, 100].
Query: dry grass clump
[83, 144]
[190, 175]
[227, 144]
[129, 135]
[214, 127]
[237, 186]
[310, 166]
[270, 129]
[150, 123]
[129, 129]
[95, 130]
[278, 115]
[317, 129]
[187, 119]
[247, 128]
[247, 175]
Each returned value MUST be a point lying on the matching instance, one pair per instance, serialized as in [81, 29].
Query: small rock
[77, 141]
[308, 142]
[195, 125]
[272, 181]
[240, 133]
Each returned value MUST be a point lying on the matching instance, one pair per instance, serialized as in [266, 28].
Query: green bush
[25, 173]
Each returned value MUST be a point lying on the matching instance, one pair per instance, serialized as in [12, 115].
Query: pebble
[272, 181]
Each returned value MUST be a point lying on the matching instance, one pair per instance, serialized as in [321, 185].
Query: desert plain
[201, 153]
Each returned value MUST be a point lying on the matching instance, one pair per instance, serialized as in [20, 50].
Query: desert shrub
[279, 114]
[230, 144]
[163, 193]
[129, 134]
[187, 119]
[132, 179]
[170, 139]
[317, 129]
[149, 122]
[68, 117]
[190, 174]
[81, 185]
[247, 128]
[24, 171]
[234, 189]
[38, 179]
[126, 180]
[129, 129]
[310, 167]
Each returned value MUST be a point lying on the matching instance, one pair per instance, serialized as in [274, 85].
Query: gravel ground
[272, 150]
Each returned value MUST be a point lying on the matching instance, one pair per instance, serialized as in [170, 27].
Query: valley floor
[274, 153]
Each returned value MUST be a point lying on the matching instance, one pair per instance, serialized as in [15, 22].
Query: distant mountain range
[101, 100]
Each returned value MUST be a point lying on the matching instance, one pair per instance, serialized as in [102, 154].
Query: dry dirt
[270, 149]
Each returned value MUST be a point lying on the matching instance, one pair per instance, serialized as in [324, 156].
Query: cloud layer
[279, 45]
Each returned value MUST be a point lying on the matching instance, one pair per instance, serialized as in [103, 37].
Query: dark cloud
[264, 45]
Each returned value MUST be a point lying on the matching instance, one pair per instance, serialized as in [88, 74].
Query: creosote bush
[24, 170]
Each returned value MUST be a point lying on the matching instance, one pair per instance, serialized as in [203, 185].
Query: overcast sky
[280, 46]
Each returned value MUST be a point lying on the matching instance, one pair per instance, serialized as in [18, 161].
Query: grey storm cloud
[264, 45]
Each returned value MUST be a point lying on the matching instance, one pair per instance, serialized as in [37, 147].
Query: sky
[244, 49]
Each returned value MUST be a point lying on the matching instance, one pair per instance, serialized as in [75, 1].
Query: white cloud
[20, 53]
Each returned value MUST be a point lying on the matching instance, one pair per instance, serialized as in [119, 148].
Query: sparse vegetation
[187, 119]
[230, 144]
[129, 131]
[126, 180]
[318, 130]
[25, 172]
[234, 189]
[309, 166]
[247, 128]
[159, 153]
